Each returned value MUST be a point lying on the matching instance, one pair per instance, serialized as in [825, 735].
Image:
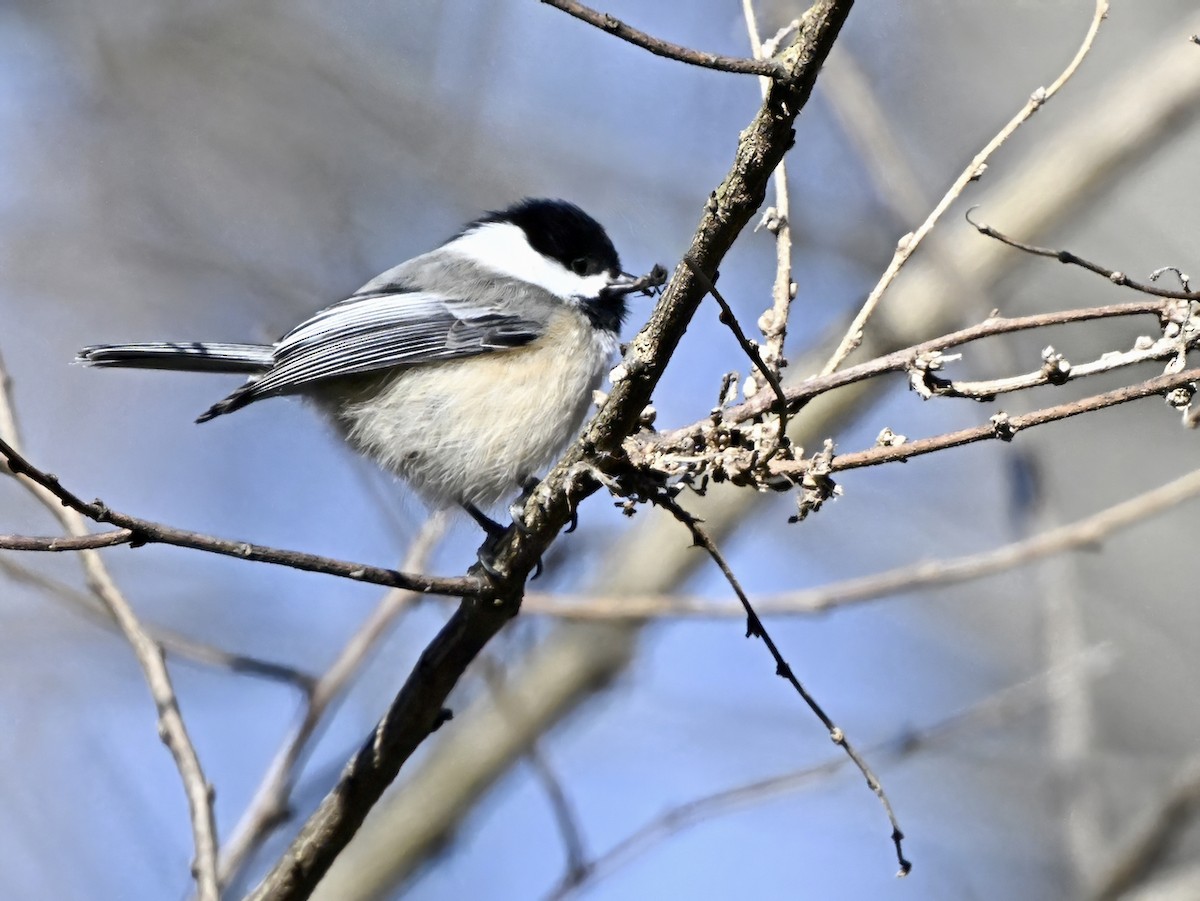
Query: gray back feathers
[389, 323]
[409, 315]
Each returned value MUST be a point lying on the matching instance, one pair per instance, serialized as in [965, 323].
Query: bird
[464, 370]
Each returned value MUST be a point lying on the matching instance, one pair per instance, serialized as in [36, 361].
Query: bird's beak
[621, 284]
[624, 283]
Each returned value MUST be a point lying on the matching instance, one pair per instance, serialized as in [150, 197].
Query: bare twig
[1084, 534]
[171, 727]
[748, 348]
[1003, 426]
[270, 805]
[743, 465]
[909, 243]
[1153, 836]
[1071, 259]
[144, 531]
[65, 543]
[900, 360]
[565, 816]
[768, 68]
[1057, 370]
[776, 220]
[187, 649]
[1012, 701]
[755, 628]
[1185, 280]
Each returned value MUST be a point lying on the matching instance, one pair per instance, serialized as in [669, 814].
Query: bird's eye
[579, 266]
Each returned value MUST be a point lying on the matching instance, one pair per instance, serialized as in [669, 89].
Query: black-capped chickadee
[464, 370]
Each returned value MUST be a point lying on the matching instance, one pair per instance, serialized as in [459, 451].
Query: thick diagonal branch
[419, 707]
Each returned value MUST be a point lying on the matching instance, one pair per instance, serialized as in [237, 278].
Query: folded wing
[379, 331]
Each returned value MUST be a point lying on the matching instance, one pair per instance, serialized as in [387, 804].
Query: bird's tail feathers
[181, 356]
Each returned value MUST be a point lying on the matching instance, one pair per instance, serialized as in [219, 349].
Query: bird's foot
[495, 531]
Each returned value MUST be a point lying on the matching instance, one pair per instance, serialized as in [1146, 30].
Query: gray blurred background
[216, 170]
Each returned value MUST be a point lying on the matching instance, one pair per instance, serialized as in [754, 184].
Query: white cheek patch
[503, 248]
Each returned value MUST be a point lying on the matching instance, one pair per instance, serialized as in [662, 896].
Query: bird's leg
[494, 533]
[494, 529]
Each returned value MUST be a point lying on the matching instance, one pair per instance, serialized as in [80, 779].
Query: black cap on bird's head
[562, 232]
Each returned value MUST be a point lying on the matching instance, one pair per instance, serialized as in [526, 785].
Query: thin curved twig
[898, 361]
[743, 464]
[1072, 259]
[566, 817]
[1002, 426]
[58, 543]
[1088, 533]
[143, 531]
[756, 628]
[172, 729]
[776, 219]
[1003, 704]
[1152, 836]
[767, 68]
[748, 348]
[909, 243]
[187, 649]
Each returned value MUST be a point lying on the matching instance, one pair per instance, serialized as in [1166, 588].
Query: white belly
[471, 430]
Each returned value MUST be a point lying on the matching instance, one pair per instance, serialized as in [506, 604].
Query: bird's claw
[495, 532]
[517, 511]
[485, 557]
